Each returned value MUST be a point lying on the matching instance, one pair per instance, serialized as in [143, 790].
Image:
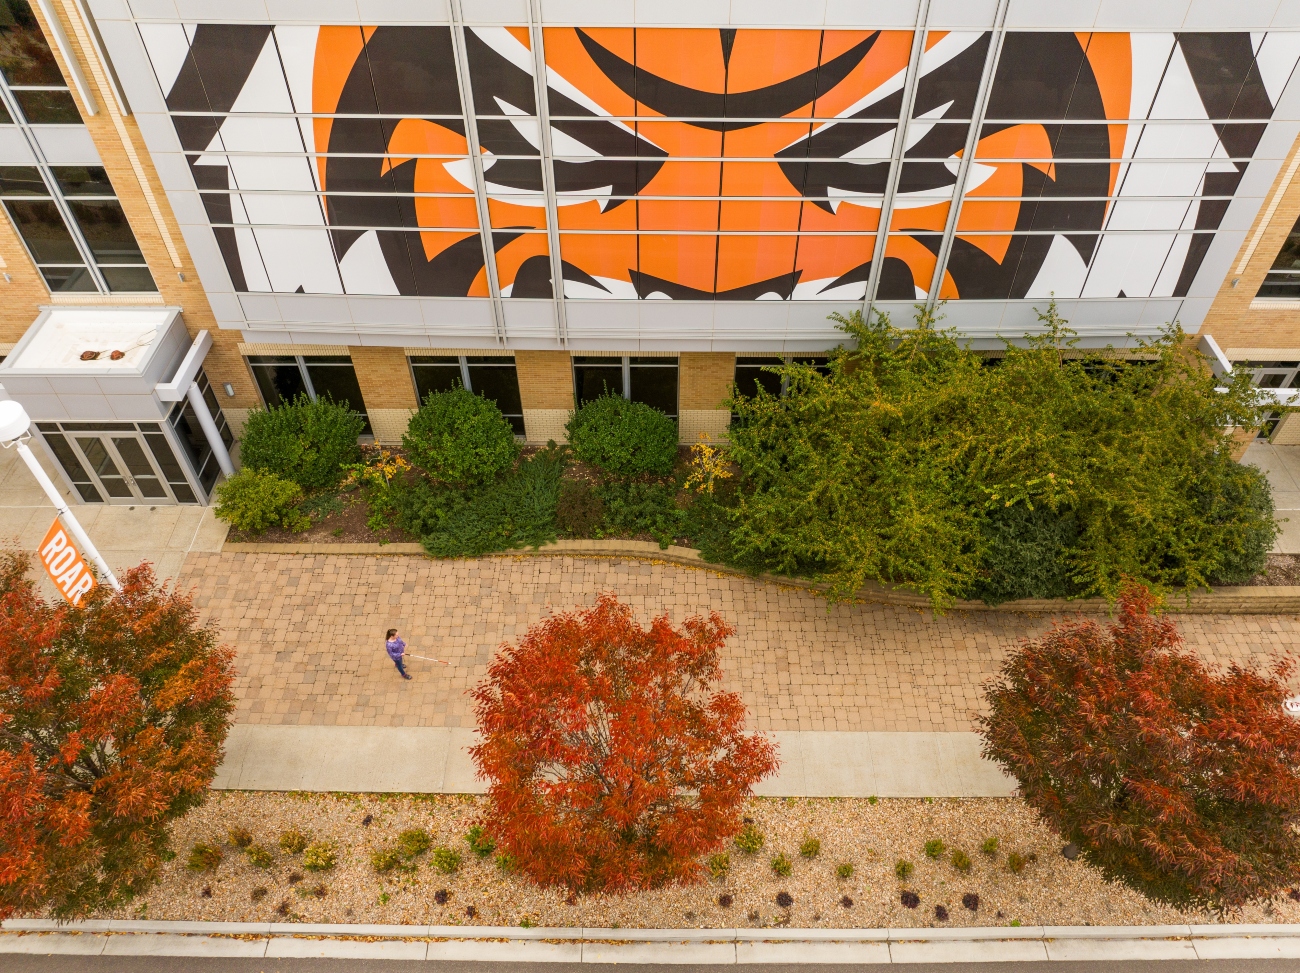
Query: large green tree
[903, 464]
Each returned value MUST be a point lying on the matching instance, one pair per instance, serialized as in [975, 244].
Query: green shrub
[294, 841]
[719, 865]
[240, 837]
[810, 848]
[319, 857]
[204, 858]
[580, 511]
[844, 870]
[460, 438]
[1026, 554]
[990, 846]
[413, 842]
[445, 860]
[642, 508]
[515, 511]
[622, 438]
[750, 839]
[1235, 494]
[384, 859]
[903, 869]
[1016, 863]
[934, 848]
[961, 861]
[506, 862]
[259, 857]
[251, 501]
[781, 865]
[479, 841]
[303, 441]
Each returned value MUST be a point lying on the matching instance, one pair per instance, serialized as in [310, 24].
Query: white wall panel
[14, 150]
[1228, 14]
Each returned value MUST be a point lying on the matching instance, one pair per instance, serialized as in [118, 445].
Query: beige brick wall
[711, 423]
[545, 380]
[384, 377]
[704, 382]
[389, 425]
[544, 425]
[1233, 322]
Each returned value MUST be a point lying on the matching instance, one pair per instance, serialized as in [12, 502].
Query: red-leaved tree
[1180, 780]
[112, 720]
[613, 760]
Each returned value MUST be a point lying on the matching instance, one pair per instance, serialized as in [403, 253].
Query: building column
[546, 391]
[705, 384]
[387, 389]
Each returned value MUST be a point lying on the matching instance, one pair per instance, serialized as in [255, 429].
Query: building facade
[545, 199]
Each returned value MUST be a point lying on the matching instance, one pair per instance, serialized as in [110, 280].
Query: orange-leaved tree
[1179, 779]
[112, 720]
[613, 761]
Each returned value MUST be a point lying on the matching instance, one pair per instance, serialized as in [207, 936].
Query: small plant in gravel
[784, 899]
[470, 912]
[781, 865]
[319, 857]
[283, 908]
[206, 892]
[506, 863]
[750, 839]
[1016, 863]
[294, 878]
[909, 899]
[204, 858]
[934, 848]
[294, 842]
[259, 857]
[960, 860]
[971, 900]
[719, 864]
[445, 860]
[258, 894]
[844, 870]
[810, 848]
[990, 847]
[384, 860]
[941, 913]
[240, 837]
[441, 896]
[413, 842]
[872, 800]
[725, 900]
[319, 891]
[384, 897]
[846, 901]
[903, 869]
[479, 841]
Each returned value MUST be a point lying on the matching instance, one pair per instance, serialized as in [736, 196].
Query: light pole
[14, 426]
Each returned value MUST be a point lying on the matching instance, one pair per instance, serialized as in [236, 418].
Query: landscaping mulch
[872, 837]
[1281, 569]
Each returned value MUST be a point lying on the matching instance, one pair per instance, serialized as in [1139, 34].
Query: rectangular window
[638, 378]
[1271, 375]
[491, 376]
[1283, 278]
[282, 378]
[30, 71]
[37, 198]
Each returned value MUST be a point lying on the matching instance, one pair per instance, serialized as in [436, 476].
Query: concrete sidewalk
[434, 760]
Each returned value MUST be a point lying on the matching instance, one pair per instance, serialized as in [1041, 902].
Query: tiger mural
[716, 164]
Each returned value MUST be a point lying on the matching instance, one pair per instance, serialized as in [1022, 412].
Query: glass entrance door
[122, 467]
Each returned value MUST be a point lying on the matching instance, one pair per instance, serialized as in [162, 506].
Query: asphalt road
[17, 963]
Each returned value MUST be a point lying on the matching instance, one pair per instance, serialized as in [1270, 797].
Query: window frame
[301, 362]
[626, 365]
[464, 363]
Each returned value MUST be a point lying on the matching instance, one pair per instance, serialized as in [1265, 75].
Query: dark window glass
[22, 181]
[98, 427]
[68, 458]
[4, 116]
[500, 383]
[43, 231]
[594, 377]
[83, 181]
[1283, 280]
[654, 382]
[751, 375]
[165, 457]
[435, 373]
[278, 378]
[102, 463]
[195, 444]
[68, 279]
[335, 381]
[48, 107]
[105, 228]
[137, 279]
[214, 407]
[25, 57]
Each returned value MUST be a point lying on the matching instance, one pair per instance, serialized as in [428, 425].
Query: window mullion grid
[910, 81]
[56, 194]
[463, 361]
[306, 376]
[968, 155]
[626, 361]
[476, 167]
[548, 171]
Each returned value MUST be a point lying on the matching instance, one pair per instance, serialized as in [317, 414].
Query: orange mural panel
[748, 260]
[686, 260]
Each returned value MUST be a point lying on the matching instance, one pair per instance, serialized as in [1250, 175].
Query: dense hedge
[303, 441]
[623, 439]
[1047, 471]
[460, 438]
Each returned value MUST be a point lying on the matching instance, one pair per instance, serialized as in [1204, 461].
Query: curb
[598, 945]
[1227, 600]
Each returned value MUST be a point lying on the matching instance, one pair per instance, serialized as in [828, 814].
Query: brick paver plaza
[309, 635]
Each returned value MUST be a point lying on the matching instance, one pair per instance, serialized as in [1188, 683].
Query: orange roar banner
[65, 565]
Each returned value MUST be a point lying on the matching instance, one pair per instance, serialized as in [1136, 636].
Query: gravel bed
[872, 837]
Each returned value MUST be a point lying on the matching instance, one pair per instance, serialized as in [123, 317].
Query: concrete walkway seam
[667, 946]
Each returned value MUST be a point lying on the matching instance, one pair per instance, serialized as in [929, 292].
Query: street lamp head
[14, 421]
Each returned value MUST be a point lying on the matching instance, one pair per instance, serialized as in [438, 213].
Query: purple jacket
[396, 647]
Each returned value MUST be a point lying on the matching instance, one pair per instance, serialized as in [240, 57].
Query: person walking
[396, 649]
